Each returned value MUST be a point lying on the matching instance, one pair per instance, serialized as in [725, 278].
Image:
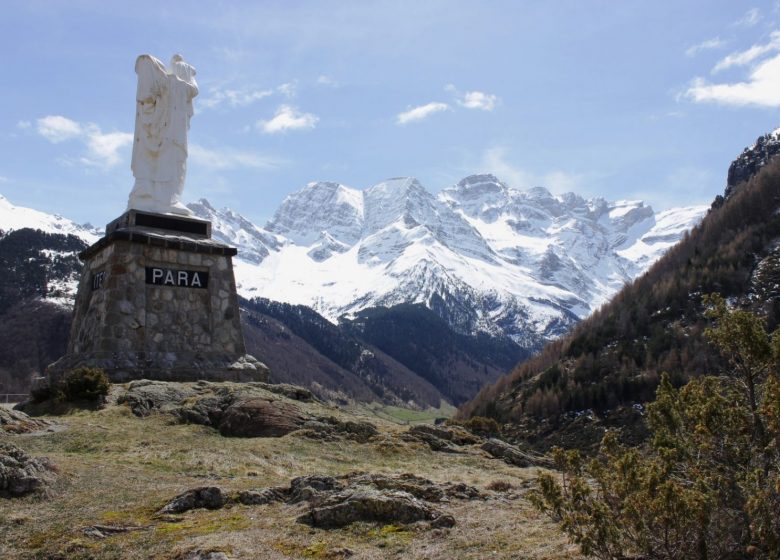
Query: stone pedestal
[157, 300]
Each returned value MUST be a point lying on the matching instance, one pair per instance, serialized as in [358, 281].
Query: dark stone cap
[167, 223]
[146, 237]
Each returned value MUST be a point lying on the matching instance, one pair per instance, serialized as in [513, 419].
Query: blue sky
[620, 99]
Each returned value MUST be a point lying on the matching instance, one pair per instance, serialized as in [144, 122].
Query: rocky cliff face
[752, 159]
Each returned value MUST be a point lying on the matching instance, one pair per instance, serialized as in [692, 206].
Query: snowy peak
[477, 195]
[486, 257]
[18, 217]
[402, 199]
[228, 227]
[320, 206]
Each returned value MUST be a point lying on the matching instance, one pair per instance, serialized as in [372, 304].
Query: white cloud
[474, 99]
[290, 89]
[288, 118]
[56, 128]
[421, 112]
[103, 148]
[762, 88]
[751, 17]
[709, 44]
[747, 56]
[479, 100]
[494, 160]
[234, 97]
[324, 80]
[24, 125]
[230, 159]
[3, 179]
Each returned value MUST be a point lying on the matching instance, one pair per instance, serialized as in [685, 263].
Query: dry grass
[116, 469]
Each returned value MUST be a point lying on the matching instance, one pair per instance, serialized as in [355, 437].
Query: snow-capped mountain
[18, 217]
[484, 256]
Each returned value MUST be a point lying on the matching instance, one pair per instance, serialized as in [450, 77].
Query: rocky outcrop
[145, 396]
[241, 409]
[513, 455]
[258, 417]
[17, 422]
[206, 497]
[752, 159]
[339, 501]
[333, 429]
[347, 507]
[438, 438]
[21, 474]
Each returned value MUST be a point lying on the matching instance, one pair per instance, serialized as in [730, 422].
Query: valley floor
[115, 469]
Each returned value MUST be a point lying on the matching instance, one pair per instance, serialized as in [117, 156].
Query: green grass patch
[401, 415]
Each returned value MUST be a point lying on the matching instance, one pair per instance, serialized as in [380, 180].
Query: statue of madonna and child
[162, 120]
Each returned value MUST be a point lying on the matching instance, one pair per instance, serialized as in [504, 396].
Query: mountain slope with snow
[18, 217]
[485, 257]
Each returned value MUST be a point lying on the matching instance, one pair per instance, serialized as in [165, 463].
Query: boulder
[21, 474]
[206, 497]
[261, 417]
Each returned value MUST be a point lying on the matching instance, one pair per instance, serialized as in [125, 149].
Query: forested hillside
[614, 358]
[34, 265]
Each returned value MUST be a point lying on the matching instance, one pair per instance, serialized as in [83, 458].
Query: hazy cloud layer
[225, 159]
[494, 160]
[709, 44]
[233, 97]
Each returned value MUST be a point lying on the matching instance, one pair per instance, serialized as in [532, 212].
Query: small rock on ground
[21, 474]
[207, 497]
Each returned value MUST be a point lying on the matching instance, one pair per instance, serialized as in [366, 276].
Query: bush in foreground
[82, 385]
[85, 384]
[708, 484]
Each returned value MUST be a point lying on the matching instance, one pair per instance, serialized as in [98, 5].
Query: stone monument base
[157, 300]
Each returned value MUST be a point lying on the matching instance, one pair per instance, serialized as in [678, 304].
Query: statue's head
[181, 69]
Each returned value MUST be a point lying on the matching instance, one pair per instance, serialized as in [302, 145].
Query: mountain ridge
[516, 260]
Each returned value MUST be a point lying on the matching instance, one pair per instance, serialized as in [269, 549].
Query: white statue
[162, 119]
